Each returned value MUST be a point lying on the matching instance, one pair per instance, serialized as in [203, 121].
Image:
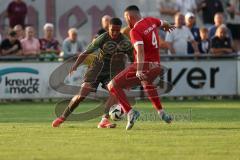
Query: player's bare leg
[105, 123]
[84, 91]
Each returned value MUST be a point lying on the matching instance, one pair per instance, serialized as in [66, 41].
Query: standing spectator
[48, 44]
[105, 25]
[71, 45]
[218, 21]
[167, 9]
[11, 45]
[178, 39]
[16, 12]
[233, 21]
[209, 8]
[20, 32]
[190, 21]
[0, 38]
[126, 31]
[220, 43]
[30, 44]
[187, 6]
[204, 45]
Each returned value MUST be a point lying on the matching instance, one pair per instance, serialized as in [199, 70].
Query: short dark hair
[132, 8]
[116, 21]
[12, 33]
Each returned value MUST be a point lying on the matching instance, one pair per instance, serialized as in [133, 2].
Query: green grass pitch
[203, 130]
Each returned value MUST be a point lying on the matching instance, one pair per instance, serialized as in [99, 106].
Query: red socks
[119, 93]
[153, 96]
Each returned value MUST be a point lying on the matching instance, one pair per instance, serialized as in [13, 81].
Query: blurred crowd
[202, 27]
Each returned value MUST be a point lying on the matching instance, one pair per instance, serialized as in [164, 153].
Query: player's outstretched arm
[90, 49]
[167, 27]
[82, 56]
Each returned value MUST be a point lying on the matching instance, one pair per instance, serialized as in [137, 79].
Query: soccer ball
[116, 112]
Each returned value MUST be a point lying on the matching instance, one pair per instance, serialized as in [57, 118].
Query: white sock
[160, 112]
[129, 112]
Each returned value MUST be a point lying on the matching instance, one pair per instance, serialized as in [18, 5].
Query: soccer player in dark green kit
[110, 60]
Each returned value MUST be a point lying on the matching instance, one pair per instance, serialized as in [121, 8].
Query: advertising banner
[29, 80]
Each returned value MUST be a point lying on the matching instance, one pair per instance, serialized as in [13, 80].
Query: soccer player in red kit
[146, 66]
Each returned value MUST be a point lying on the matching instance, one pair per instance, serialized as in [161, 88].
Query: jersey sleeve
[136, 38]
[156, 21]
[95, 44]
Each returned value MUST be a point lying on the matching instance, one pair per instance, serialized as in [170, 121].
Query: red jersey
[145, 32]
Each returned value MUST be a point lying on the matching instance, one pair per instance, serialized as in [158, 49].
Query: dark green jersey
[111, 53]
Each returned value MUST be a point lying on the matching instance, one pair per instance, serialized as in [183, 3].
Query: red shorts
[127, 78]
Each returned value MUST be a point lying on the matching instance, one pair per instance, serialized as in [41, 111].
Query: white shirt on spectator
[179, 38]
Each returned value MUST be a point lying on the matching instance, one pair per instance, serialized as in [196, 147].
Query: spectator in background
[220, 43]
[218, 21]
[190, 22]
[20, 32]
[126, 31]
[209, 8]
[48, 44]
[11, 45]
[30, 44]
[233, 21]
[105, 25]
[204, 45]
[16, 12]
[187, 6]
[178, 39]
[71, 45]
[167, 9]
[0, 39]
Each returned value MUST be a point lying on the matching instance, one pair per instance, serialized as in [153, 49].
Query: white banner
[203, 77]
[238, 73]
[29, 80]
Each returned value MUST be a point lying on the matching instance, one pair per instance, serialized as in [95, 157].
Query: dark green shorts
[96, 75]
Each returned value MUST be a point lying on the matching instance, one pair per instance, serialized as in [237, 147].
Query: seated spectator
[48, 44]
[30, 44]
[11, 45]
[190, 22]
[204, 45]
[220, 43]
[178, 39]
[218, 21]
[20, 32]
[71, 45]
